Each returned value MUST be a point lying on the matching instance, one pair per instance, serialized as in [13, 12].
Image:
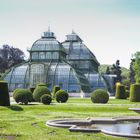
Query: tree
[10, 56]
[132, 72]
[116, 69]
[107, 70]
[136, 66]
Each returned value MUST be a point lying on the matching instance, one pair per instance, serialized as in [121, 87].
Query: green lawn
[27, 122]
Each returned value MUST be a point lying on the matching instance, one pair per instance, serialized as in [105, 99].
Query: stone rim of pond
[137, 110]
[74, 125]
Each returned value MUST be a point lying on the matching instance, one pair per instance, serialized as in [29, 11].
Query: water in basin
[125, 127]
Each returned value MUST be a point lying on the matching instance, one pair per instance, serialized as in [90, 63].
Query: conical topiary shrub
[120, 92]
[135, 93]
[4, 94]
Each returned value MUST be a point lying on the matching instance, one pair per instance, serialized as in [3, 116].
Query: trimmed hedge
[4, 94]
[22, 96]
[39, 91]
[99, 96]
[46, 99]
[135, 93]
[61, 96]
[120, 92]
[55, 89]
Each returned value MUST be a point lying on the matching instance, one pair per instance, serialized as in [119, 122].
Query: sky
[109, 28]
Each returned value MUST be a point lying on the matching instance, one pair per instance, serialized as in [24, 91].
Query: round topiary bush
[41, 84]
[14, 92]
[135, 93]
[46, 99]
[55, 89]
[99, 96]
[4, 94]
[120, 92]
[23, 96]
[39, 91]
[61, 96]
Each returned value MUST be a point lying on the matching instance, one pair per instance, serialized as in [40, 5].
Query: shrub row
[122, 92]
[39, 94]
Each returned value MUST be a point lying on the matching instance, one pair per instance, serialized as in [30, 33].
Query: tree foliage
[132, 72]
[116, 69]
[103, 70]
[10, 56]
[136, 66]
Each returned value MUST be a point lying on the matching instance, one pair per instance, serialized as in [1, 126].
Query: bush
[137, 80]
[39, 91]
[61, 96]
[55, 89]
[14, 92]
[127, 92]
[120, 92]
[46, 99]
[23, 96]
[32, 89]
[126, 87]
[135, 93]
[4, 94]
[99, 96]
[41, 84]
[126, 82]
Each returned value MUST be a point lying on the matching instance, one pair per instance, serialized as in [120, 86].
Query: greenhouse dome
[70, 64]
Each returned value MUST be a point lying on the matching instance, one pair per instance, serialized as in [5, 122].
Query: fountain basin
[124, 127]
[137, 110]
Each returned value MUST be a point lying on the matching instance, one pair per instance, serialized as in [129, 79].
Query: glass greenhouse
[69, 64]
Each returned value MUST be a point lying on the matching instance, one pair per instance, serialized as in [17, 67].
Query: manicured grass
[27, 122]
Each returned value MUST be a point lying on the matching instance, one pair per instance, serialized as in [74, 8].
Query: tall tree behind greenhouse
[116, 69]
[10, 56]
[136, 67]
[132, 72]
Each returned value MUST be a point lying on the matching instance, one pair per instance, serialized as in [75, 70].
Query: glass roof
[47, 42]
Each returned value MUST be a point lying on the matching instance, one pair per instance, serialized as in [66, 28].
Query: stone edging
[72, 125]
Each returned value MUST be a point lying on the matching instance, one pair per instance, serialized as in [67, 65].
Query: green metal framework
[70, 64]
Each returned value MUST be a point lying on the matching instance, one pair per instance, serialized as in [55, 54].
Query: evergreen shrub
[55, 89]
[4, 94]
[39, 91]
[99, 96]
[41, 84]
[120, 92]
[23, 96]
[61, 96]
[46, 99]
[32, 89]
[135, 93]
